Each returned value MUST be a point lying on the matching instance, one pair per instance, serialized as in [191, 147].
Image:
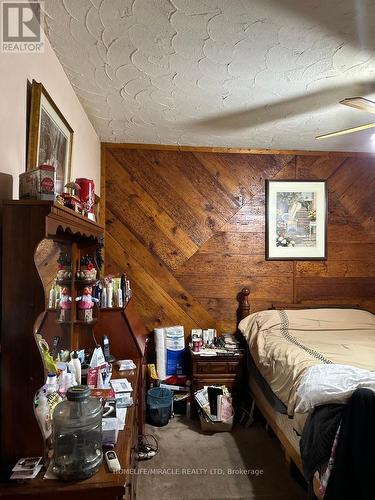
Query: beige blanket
[284, 344]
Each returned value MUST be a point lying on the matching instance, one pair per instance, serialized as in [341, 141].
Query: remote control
[112, 461]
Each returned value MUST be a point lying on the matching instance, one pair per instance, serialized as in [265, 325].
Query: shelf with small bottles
[77, 294]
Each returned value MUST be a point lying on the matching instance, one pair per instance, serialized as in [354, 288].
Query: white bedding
[333, 383]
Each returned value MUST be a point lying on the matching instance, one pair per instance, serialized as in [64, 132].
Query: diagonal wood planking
[188, 228]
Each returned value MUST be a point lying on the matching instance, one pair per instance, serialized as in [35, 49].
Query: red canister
[196, 346]
[87, 195]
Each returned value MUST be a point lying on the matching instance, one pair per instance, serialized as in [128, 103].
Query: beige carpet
[196, 465]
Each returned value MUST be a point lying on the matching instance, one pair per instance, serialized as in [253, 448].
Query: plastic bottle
[62, 379]
[109, 294]
[77, 435]
[106, 348]
[120, 302]
[103, 302]
[129, 292]
[42, 412]
[52, 297]
[51, 384]
[76, 365]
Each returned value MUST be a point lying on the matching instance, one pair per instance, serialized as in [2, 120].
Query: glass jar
[77, 435]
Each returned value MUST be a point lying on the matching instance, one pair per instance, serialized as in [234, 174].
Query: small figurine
[65, 304]
[66, 299]
[64, 267]
[87, 270]
[71, 198]
[85, 304]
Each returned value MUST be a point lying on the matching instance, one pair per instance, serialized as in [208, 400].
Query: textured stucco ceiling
[240, 73]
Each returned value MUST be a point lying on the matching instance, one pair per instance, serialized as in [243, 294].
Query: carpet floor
[245, 464]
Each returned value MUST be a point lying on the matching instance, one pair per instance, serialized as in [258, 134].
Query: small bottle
[76, 364]
[52, 297]
[123, 288]
[51, 384]
[109, 294]
[104, 297]
[129, 292]
[120, 302]
[106, 349]
[61, 379]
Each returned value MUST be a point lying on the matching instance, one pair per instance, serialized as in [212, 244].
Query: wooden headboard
[244, 305]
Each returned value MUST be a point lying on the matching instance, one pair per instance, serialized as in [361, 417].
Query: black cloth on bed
[352, 475]
[318, 435]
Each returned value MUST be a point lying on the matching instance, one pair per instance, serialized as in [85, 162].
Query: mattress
[285, 343]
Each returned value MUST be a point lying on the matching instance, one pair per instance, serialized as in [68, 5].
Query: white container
[76, 365]
[109, 295]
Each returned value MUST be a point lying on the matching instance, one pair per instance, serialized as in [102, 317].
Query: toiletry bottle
[129, 292]
[77, 367]
[106, 349]
[109, 295]
[120, 302]
[52, 297]
[42, 412]
[104, 297]
[51, 384]
[61, 380]
[123, 288]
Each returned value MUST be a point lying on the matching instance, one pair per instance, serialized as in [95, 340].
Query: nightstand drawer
[216, 367]
[201, 382]
[207, 367]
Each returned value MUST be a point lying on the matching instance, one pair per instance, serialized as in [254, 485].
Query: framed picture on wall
[296, 220]
[50, 136]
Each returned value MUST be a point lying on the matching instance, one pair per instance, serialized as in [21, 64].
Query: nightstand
[216, 370]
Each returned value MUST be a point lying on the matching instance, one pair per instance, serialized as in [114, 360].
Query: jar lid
[78, 393]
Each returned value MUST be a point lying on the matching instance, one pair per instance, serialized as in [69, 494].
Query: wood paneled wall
[188, 227]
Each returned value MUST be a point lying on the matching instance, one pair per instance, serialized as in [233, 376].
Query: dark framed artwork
[296, 220]
[50, 138]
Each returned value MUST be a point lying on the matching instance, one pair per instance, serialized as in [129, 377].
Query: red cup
[87, 194]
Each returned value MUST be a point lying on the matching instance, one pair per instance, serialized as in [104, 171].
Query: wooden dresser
[34, 234]
[104, 484]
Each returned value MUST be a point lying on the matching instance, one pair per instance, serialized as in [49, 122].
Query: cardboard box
[38, 183]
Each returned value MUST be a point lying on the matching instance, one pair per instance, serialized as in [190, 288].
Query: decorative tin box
[38, 183]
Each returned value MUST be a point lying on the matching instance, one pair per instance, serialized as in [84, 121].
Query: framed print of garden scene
[296, 220]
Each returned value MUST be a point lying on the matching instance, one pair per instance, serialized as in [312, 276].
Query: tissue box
[38, 183]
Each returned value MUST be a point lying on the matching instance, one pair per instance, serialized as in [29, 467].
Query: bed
[288, 346]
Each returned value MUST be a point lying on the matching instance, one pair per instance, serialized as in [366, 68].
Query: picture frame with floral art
[296, 220]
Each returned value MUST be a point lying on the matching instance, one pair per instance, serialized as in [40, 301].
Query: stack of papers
[121, 385]
[125, 364]
[27, 468]
[123, 390]
[230, 341]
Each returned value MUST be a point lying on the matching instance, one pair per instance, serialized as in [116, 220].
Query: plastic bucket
[159, 405]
